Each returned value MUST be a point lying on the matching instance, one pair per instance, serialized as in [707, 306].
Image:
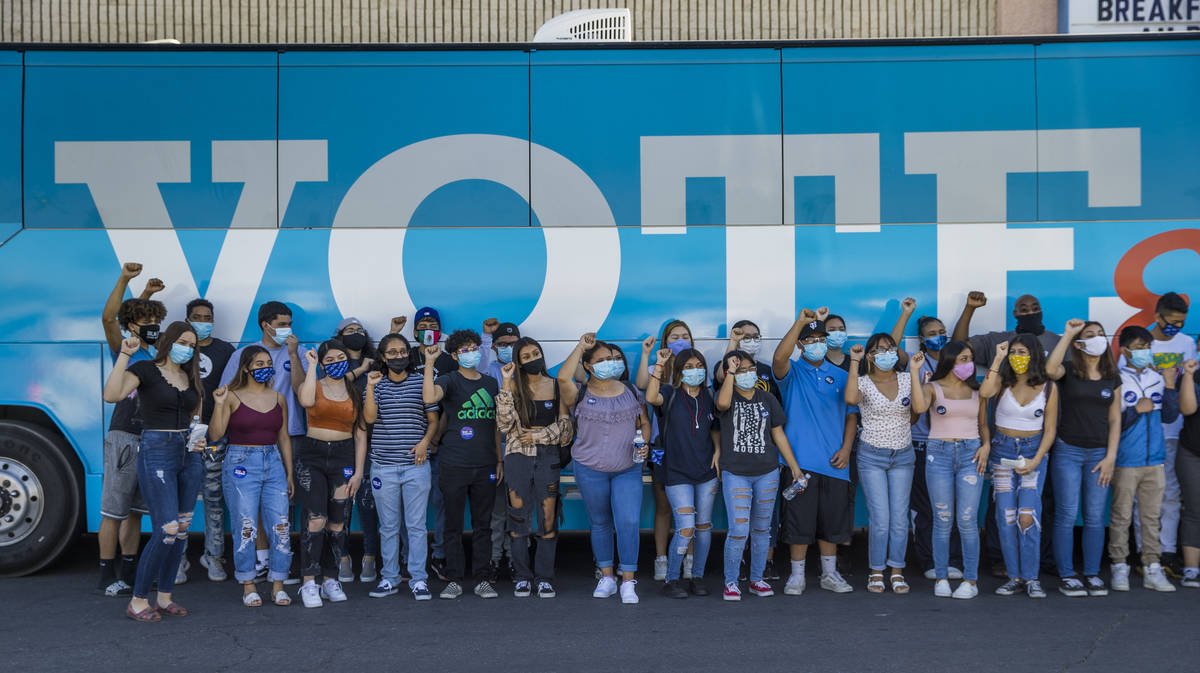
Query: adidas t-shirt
[402, 420]
[470, 408]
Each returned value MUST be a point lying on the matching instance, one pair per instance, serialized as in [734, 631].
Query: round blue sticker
[1038, 413]
[828, 379]
[239, 472]
[1106, 393]
[905, 402]
[548, 404]
[287, 365]
[1156, 397]
[941, 410]
[376, 483]
[467, 432]
[766, 414]
[348, 472]
[1130, 396]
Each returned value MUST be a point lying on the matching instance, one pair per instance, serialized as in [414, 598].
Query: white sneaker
[310, 595]
[942, 589]
[954, 573]
[629, 592]
[660, 568]
[794, 586]
[181, 574]
[1190, 578]
[1120, 577]
[332, 590]
[215, 567]
[833, 581]
[687, 566]
[966, 590]
[607, 586]
[1156, 580]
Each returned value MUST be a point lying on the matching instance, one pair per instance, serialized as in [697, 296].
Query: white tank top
[885, 423]
[1010, 414]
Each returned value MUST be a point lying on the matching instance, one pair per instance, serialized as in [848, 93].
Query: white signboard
[1132, 16]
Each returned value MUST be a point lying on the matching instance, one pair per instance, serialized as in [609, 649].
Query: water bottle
[797, 487]
[196, 435]
[639, 444]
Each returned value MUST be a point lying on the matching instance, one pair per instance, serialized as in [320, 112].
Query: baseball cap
[506, 329]
[348, 321]
[814, 327]
[427, 312]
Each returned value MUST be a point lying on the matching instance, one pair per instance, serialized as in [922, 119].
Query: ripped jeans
[955, 486]
[169, 476]
[321, 469]
[750, 502]
[699, 499]
[1018, 496]
[533, 504]
[255, 485]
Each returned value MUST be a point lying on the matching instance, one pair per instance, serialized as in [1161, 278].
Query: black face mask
[149, 333]
[355, 342]
[534, 367]
[1030, 323]
[398, 365]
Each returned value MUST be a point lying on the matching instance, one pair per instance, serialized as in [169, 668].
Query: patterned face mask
[1019, 363]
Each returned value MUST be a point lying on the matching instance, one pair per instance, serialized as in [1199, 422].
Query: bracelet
[994, 371]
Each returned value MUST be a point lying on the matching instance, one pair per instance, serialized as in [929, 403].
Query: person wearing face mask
[1026, 424]
[691, 446]
[746, 337]
[121, 504]
[275, 321]
[885, 399]
[471, 459]
[931, 333]
[1148, 400]
[258, 470]
[497, 349]
[357, 340]
[168, 462]
[326, 470]
[402, 429]
[1188, 467]
[835, 341]
[1085, 452]
[608, 470]
[820, 429]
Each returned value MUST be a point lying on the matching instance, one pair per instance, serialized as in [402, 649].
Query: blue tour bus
[567, 189]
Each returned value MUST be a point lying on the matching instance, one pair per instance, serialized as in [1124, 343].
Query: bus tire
[40, 498]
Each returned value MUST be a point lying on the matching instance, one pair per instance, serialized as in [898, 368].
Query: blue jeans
[401, 494]
[613, 501]
[1016, 496]
[255, 486]
[1071, 468]
[699, 498]
[886, 478]
[169, 476]
[955, 486]
[748, 499]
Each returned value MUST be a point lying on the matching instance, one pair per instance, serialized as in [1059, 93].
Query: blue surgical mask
[835, 339]
[815, 352]
[1141, 357]
[679, 345]
[693, 377]
[885, 361]
[203, 329]
[181, 354]
[608, 369]
[936, 343]
[336, 370]
[746, 380]
[263, 374]
[504, 353]
[282, 333]
[470, 360]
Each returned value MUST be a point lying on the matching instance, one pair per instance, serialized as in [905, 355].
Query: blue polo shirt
[815, 403]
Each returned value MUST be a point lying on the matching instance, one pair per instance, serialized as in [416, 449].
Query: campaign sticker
[1038, 413]
[1106, 393]
[905, 402]
[376, 483]
[348, 472]
[766, 414]
[591, 400]
[239, 472]
[1156, 398]
[828, 379]
[287, 365]
[467, 432]
[941, 410]
[1130, 396]
[549, 404]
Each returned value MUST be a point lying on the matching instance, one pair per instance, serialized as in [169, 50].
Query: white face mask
[749, 345]
[1093, 345]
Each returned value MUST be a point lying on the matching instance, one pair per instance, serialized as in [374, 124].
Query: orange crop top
[330, 415]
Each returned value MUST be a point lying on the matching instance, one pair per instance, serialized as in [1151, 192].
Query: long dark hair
[1108, 366]
[335, 345]
[865, 367]
[381, 364]
[946, 362]
[190, 368]
[242, 378]
[685, 355]
[522, 393]
[1035, 375]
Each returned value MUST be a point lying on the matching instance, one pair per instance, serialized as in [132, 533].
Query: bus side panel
[10, 143]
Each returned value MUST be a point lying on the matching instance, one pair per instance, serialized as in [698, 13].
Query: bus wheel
[40, 497]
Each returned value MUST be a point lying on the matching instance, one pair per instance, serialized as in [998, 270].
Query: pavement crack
[1096, 643]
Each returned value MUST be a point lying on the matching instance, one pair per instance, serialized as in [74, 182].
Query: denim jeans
[169, 476]
[255, 486]
[920, 505]
[368, 516]
[401, 497]
[699, 498]
[955, 485]
[214, 500]
[886, 478]
[748, 500]
[533, 482]
[1071, 467]
[1016, 495]
[614, 502]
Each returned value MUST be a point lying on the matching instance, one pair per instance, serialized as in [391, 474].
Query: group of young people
[397, 427]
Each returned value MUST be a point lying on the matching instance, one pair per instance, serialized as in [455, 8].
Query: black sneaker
[696, 587]
[1034, 589]
[1095, 586]
[438, 566]
[545, 590]
[1010, 587]
[1071, 586]
[769, 571]
[672, 589]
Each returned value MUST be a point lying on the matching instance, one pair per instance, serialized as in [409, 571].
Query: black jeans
[532, 483]
[322, 468]
[918, 502]
[458, 485]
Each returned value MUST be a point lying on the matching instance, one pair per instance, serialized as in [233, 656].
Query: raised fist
[1190, 366]
[588, 340]
[736, 334]
[648, 343]
[823, 313]
[908, 305]
[856, 352]
[311, 356]
[490, 325]
[663, 355]
[807, 315]
[976, 299]
[1002, 350]
[374, 377]
[155, 285]
[1074, 326]
[398, 323]
[130, 270]
[507, 370]
[915, 361]
[131, 345]
[219, 395]
[432, 351]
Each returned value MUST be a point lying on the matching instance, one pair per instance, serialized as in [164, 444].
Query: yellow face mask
[1019, 363]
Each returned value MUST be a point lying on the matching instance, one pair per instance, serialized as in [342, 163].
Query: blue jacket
[1142, 443]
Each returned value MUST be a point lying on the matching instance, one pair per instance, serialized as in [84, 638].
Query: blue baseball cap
[427, 312]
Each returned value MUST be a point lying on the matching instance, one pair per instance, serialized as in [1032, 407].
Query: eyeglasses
[814, 340]
[395, 353]
[468, 349]
[881, 351]
[353, 330]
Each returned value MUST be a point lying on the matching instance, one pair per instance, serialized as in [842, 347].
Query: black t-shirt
[845, 364]
[470, 408]
[687, 442]
[766, 381]
[1189, 435]
[747, 448]
[1083, 410]
[163, 406]
[213, 359]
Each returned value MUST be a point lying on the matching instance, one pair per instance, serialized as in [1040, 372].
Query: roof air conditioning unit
[588, 25]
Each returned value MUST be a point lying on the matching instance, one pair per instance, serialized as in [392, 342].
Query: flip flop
[252, 600]
[147, 615]
[173, 609]
[282, 598]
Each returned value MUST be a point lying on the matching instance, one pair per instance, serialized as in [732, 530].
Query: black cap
[506, 329]
[814, 327]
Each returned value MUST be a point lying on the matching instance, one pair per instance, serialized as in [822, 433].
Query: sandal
[252, 600]
[173, 609]
[282, 598]
[898, 584]
[875, 583]
[147, 615]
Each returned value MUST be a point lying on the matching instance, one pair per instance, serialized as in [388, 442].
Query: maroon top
[248, 427]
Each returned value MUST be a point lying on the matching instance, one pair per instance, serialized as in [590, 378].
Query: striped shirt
[401, 423]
